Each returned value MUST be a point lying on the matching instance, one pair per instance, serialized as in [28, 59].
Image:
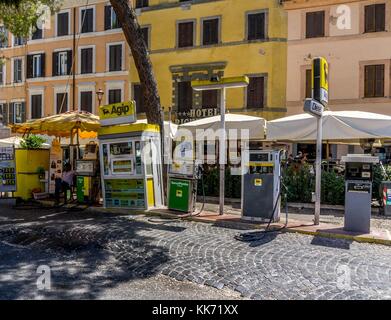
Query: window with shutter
[69, 61]
[19, 41]
[210, 31]
[86, 101]
[185, 34]
[86, 60]
[11, 113]
[4, 113]
[145, 32]
[315, 24]
[18, 112]
[18, 72]
[23, 115]
[111, 20]
[255, 92]
[115, 57]
[3, 37]
[61, 63]
[36, 106]
[34, 66]
[256, 26]
[185, 96]
[138, 98]
[37, 34]
[142, 3]
[374, 81]
[2, 74]
[43, 64]
[209, 99]
[61, 102]
[62, 24]
[87, 20]
[375, 18]
[55, 64]
[115, 96]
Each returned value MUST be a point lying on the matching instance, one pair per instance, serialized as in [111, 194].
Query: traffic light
[320, 82]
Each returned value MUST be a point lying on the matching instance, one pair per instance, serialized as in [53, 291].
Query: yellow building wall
[242, 57]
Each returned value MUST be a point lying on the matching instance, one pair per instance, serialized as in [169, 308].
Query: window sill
[185, 48]
[257, 40]
[254, 108]
[372, 32]
[375, 98]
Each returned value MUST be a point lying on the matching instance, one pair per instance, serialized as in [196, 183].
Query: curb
[361, 239]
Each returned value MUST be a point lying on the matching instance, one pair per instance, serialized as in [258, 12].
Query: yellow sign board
[118, 113]
[320, 80]
[229, 82]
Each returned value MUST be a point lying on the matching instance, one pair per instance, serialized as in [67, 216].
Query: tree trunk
[131, 28]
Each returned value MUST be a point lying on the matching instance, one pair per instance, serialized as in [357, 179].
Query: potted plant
[32, 142]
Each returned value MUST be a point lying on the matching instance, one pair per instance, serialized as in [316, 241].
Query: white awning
[337, 126]
[255, 125]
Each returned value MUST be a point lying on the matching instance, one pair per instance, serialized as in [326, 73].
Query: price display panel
[7, 169]
[124, 193]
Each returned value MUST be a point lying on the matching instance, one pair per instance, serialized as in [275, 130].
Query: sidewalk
[331, 224]
[300, 220]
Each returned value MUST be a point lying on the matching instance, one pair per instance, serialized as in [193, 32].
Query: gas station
[123, 166]
[130, 159]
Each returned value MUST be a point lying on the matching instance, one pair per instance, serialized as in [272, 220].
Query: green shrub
[333, 188]
[32, 142]
[300, 183]
[380, 175]
[233, 184]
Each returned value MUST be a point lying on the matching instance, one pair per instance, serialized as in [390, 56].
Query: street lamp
[100, 93]
[215, 83]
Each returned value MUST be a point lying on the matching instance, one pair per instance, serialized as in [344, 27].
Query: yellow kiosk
[130, 159]
[30, 171]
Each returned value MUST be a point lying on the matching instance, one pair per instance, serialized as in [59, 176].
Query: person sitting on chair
[65, 183]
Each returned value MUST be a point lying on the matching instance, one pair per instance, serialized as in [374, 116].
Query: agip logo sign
[118, 113]
[320, 80]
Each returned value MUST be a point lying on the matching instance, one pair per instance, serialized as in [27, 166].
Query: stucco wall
[346, 51]
[241, 56]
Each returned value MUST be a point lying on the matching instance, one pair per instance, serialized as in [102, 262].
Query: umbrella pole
[71, 149]
[328, 155]
[222, 151]
[78, 143]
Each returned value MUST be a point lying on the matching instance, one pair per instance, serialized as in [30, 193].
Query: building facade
[201, 39]
[355, 38]
[62, 67]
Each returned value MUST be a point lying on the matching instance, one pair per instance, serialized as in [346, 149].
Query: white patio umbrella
[255, 125]
[338, 126]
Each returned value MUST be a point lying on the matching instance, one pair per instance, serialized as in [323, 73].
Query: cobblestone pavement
[96, 250]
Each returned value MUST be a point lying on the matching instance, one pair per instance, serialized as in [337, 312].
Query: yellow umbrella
[62, 125]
